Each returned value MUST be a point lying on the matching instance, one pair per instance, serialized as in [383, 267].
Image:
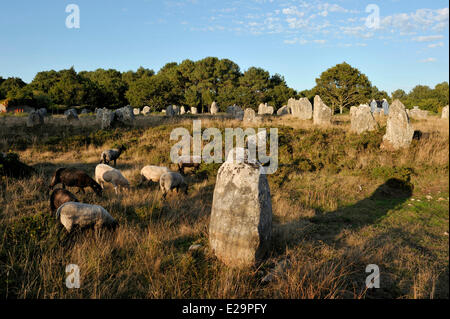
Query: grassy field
[333, 216]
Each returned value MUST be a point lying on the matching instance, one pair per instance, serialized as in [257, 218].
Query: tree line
[198, 84]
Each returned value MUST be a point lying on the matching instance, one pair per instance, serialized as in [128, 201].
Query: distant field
[332, 216]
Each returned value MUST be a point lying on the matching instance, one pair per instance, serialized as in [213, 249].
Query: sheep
[111, 155]
[153, 173]
[59, 197]
[107, 174]
[73, 177]
[72, 215]
[188, 161]
[170, 181]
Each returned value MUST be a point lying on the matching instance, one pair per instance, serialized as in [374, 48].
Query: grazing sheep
[111, 155]
[188, 161]
[81, 215]
[107, 174]
[172, 180]
[73, 177]
[153, 173]
[59, 197]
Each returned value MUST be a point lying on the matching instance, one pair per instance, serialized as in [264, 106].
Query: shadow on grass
[327, 226]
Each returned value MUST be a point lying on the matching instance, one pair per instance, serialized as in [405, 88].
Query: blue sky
[297, 39]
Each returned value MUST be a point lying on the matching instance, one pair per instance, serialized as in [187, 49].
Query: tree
[109, 86]
[343, 86]
[153, 91]
[399, 94]
[379, 95]
[10, 87]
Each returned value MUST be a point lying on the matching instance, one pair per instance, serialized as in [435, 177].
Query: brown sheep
[60, 196]
[73, 177]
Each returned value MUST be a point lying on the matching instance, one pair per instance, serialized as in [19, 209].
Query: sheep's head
[97, 189]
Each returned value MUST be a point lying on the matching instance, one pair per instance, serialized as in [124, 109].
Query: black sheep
[59, 197]
[73, 177]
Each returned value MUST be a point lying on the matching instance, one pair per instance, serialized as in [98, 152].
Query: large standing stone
[236, 112]
[322, 113]
[214, 109]
[374, 107]
[301, 109]
[106, 118]
[399, 132]
[284, 110]
[249, 115]
[170, 111]
[42, 112]
[264, 109]
[385, 107]
[71, 115]
[194, 110]
[124, 115]
[176, 109]
[35, 119]
[445, 112]
[353, 110]
[136, 111]
[146, 110]
[363, 120]
[241, 217]
[417, 113]
[182, 110]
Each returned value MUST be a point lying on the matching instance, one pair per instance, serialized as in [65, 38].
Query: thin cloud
[428, 60]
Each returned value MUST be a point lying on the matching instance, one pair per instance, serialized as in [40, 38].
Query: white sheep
[172, 180]
[153, 173]
[107, 174]
[73, 214]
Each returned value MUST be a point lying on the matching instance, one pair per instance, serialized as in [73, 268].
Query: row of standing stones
[240, 227]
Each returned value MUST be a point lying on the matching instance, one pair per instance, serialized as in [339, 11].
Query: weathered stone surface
[385, 107]
[362, 120]
[399, 132]
[106, 118]
[35, 119]
[301, 109]
[236, 112]
[146, 110]
[42, 112]
[353, 110]
[264, 109]
[194, 110]
[241, 217]
[176, 109]
[214, 108]
[445, 112]
[71, 115]
[170, 111]
[249, 115]
[374, 107]
[284, 110]
[182, 110]
[124, 115]
[417, 113]
[322, 113]
[136, 111]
